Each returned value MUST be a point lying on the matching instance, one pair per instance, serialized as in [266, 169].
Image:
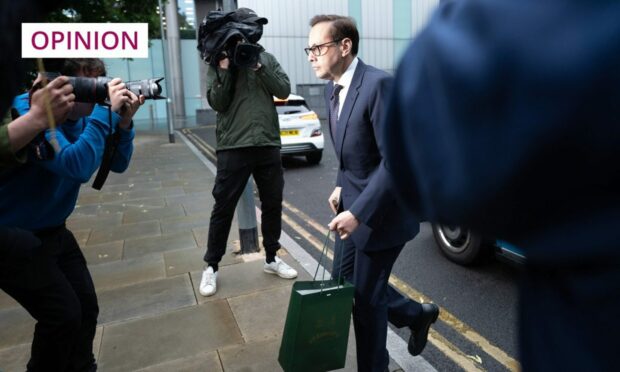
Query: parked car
[300, 129]
[466, 248]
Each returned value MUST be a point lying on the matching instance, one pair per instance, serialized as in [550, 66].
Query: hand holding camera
[59, 94]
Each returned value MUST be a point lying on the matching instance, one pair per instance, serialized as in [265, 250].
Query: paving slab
[131, 345]
[6, 301]
[14, 359]
[127, 231]
[261, 315]
[102, 253]
[139, 203]
[97, 210]
[187, 223]
[94, 222]
[147, 214]
[208, 361]
[126, 272]
[242, 279]
[252, 357]
[145, 299]
[198, 207]
[158, 244]
[16, 327]
[191, 260]
[81, 236]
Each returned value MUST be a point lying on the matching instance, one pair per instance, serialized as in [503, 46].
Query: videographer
[248, 143]
[55, 285]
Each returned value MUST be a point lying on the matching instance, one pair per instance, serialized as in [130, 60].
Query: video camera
[95, 90]
[232, 35]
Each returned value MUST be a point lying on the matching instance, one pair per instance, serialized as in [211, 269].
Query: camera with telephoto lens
[95, 89]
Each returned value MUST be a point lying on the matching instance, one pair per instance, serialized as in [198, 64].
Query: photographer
[248, 143]
[55, 286]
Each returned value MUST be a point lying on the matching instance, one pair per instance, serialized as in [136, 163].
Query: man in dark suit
[368, 214]
[513, 129]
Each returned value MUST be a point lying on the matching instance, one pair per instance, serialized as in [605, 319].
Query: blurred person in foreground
[372, 229]
[51, 279]
[505, 118]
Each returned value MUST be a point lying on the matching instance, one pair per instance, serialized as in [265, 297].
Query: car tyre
[461, 245]
[314, 158]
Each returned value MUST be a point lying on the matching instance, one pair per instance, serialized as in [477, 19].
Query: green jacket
[243, 100]
[7, 157]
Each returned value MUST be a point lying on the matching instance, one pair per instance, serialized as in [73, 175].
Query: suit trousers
[234, 168]
[376, 302]
[52, 282]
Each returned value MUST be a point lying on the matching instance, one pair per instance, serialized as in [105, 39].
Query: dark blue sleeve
[121, 159]
[79, 159]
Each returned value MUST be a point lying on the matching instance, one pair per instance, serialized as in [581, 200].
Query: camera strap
[111, 143]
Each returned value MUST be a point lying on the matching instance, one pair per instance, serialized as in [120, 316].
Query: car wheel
[315, 157]
[460, 245]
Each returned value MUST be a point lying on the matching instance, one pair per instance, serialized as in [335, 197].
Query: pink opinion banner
[85, 40]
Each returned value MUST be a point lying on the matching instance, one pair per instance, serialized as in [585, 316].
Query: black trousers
[376, 301]
[51, 281]
[234, 168]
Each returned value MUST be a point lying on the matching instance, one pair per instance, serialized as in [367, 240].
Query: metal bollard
[246, 217]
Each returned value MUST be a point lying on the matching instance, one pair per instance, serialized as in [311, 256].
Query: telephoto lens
[149, 88]
[95, 90]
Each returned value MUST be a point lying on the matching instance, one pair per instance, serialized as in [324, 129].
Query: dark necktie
[334, 106]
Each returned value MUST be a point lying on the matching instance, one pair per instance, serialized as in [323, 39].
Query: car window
[291, 107]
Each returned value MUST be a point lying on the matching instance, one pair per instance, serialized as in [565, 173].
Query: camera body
[241, 54]
[95, 89]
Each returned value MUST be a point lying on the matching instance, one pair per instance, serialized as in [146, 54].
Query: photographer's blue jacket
[42, 193]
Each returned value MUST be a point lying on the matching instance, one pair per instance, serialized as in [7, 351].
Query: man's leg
[344, 259]
[270, 183]
[233, 171]
[72, 263]
[370, 311]
[37, 283]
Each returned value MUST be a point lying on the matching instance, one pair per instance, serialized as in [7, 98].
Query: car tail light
[316, 133]
[310, 116]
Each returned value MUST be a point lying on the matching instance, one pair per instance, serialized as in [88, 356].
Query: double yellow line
[467, 362]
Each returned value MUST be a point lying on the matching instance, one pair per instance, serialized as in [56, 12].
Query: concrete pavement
[144, 236]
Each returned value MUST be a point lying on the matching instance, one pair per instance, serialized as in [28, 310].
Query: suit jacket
[367, 189]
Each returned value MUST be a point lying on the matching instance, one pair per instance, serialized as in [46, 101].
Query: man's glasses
[319, 50]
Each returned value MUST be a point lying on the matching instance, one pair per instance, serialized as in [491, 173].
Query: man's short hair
[341, 27]
[73, 66]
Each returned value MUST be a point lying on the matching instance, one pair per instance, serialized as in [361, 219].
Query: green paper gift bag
[316, 331]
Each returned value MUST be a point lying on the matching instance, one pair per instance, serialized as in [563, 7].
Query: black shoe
[419, 330]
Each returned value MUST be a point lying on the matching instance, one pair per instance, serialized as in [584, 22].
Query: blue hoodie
[42, 193]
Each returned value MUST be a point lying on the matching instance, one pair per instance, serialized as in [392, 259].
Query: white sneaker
[281, 269]
[208, 283]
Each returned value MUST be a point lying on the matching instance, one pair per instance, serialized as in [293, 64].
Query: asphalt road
[478, 330]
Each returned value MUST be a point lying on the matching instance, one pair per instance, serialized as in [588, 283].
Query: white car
[300, 129]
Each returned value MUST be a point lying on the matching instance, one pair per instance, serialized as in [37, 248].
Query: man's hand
[344, 223]
[224, 63]
[61, 100]
[334, 199]
[129, 109]
[118, 95]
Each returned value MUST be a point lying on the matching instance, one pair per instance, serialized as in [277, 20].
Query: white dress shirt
[345, 81]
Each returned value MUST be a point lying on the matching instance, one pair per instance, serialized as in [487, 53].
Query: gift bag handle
[323, 254]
